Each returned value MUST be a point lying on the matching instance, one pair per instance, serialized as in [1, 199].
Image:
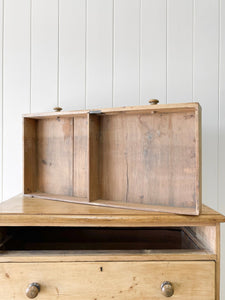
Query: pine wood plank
[55, 156]
[191, 280]
[80, 156]
[27, 211]
[103, 255]
[159, 107]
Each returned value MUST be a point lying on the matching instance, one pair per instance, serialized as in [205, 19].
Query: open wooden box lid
[142, 157]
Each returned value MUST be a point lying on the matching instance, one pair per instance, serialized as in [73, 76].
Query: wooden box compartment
[140, 157]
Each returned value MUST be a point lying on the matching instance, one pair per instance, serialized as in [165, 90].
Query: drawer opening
[100, 239]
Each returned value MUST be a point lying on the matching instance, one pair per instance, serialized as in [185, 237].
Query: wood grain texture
[27, 211]
[206, 236]
[80, 156]
[149, 159]
[84, 256]
[72, 54]
[55, 156]
[136, 155]
[218, 250]
[176, 107]
[190, 279]
[30, 158]
[94, 157]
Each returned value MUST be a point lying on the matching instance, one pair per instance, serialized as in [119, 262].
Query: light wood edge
[114, 204]
[87, 256]
[162, 107]
[23, 155]
[198, 151]
[101, 221]
[146, 207]
[217, 277]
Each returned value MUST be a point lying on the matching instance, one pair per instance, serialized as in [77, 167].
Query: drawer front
[108, 280]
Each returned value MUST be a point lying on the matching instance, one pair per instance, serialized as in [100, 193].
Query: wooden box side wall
[144, 158]
[55, 156]
[30, 156]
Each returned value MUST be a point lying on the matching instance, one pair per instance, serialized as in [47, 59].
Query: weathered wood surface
[27, 211]
[108, 280]
[144, 157]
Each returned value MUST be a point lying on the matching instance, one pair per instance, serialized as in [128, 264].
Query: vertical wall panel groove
[16, 93]
[99, 53]
[206, 91]
[30, 83]
[140, 51]
[166, 51]
[113, 50]
[72, 54]
[44, 55]
[193, 50]
[58, 54]
[180, 62]
[153, 59]
[221, 152]
[85, 61]
[126, 75]
[1, 95]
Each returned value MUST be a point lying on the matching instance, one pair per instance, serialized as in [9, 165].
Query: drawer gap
[109, 239]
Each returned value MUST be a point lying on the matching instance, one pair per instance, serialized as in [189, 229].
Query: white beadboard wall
[103, 53]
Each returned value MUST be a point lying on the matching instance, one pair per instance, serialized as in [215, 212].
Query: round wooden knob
[153, 101]
[57, 108]
[167, 289]
[32, 290]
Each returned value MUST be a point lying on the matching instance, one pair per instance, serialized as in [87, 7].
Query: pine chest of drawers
[56, 250]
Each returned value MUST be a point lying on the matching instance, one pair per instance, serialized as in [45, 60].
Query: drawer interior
[138, 160]
[70, 238]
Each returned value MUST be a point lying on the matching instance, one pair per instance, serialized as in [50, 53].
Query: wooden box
[143, 157]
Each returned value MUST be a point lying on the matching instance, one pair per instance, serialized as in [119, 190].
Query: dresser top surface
[26, 211]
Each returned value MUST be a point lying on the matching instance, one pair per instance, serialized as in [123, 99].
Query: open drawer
[80, 243]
